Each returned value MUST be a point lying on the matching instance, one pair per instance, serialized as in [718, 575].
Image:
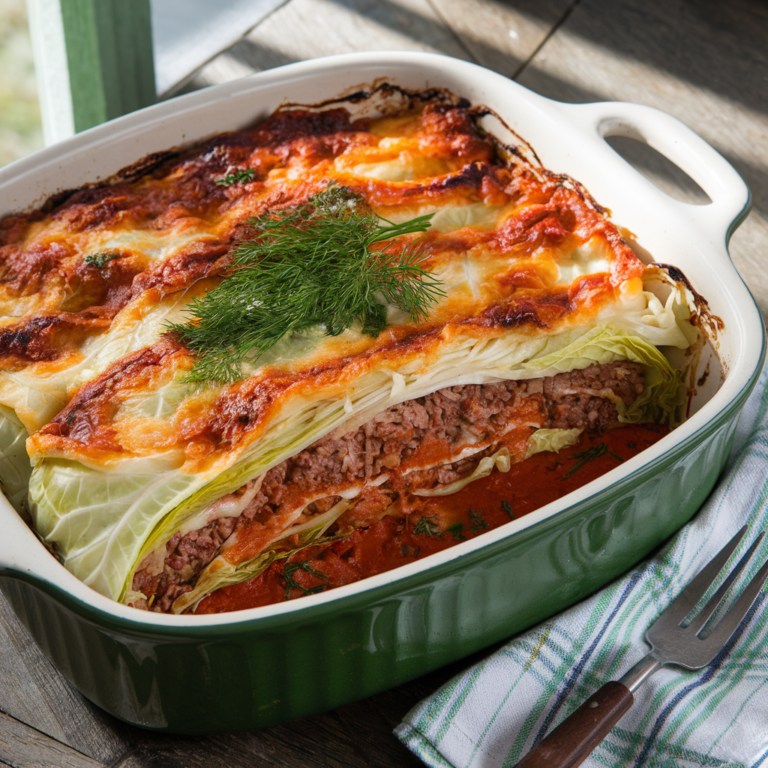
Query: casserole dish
[255, 668]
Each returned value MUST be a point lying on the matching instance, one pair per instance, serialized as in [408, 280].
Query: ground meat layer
[443, 421]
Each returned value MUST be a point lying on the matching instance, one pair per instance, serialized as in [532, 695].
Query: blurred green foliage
[20, 127]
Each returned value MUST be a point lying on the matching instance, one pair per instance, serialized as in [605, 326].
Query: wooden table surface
[704, 61]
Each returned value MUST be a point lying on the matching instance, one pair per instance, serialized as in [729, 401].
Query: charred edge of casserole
[147, 165]
[383, 87]
[704, 319]
[160, 163]
[46, 337]
[130, 173]
[387, 89]
[481, 111]
[157, 160]
[95, 191]
[576, 186]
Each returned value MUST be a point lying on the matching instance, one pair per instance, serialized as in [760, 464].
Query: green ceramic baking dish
[255, 668]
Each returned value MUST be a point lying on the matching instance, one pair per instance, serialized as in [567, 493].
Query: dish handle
[728, 192]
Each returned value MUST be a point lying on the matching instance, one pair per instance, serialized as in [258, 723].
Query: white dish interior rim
[27, 554]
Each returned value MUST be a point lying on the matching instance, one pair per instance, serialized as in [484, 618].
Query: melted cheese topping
[519, 252]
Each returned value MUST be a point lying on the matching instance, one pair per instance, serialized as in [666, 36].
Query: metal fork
[671, 643]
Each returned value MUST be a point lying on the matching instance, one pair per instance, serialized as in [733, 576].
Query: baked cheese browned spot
[175, 224]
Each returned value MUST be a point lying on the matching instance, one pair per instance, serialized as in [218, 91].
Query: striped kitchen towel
[492, 714]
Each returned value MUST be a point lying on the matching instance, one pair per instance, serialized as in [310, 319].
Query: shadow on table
[714, 46]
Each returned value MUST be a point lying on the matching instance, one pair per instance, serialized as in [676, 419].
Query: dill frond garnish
[427, 526]
[290, 583]
[315, 265]
[507, 507]
[591, 454]
[99, 260]
[477, 523]
[241, 176]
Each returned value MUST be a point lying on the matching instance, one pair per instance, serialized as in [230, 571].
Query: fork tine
[685, 602]
[706, 612]
[738, 610]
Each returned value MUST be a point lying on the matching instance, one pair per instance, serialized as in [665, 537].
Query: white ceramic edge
[20, 549]
[707, 167]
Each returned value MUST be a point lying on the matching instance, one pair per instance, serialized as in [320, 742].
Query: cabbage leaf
[97, 519]
[662, 397]
[221, 573]
[15, 467]
[552, 440]
[105, 520]
[36, 398]
[499, 460]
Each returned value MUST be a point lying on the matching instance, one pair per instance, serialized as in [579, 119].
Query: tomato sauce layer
[438, 522]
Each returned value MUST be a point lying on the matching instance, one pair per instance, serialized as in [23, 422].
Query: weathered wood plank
[24, 747]
[706, 63]
[488, 32]
[500, 35]
[34, 693]
[304, 29]
[355, 735]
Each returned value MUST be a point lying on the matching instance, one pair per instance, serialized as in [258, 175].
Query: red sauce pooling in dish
[438, 523]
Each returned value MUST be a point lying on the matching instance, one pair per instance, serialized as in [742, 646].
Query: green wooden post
[93, 60]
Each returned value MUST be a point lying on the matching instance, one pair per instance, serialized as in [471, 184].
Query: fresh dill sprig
[240, 176]
[326, 263]
[507, 507]
[591, 454]
[427, 526]
[455, 531]
[99, 260]
[290, 583]
[477, 523]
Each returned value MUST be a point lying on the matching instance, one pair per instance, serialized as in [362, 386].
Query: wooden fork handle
[572, 741]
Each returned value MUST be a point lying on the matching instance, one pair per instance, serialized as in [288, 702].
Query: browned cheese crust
[180, 225]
